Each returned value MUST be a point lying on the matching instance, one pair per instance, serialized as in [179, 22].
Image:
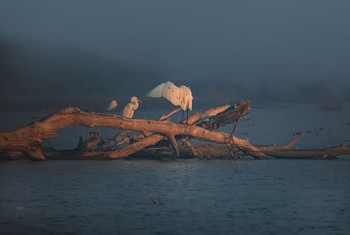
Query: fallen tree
[155, 137]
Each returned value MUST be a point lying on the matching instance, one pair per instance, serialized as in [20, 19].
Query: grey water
[186, 196]
[175, 197]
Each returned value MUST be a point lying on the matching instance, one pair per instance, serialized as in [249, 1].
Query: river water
[175, 197]
[186, 196]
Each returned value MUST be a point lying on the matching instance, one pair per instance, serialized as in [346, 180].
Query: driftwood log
[155, 137]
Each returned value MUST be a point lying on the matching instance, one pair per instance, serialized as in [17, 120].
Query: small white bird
[112, 105]
[129, 109]
[178, 96]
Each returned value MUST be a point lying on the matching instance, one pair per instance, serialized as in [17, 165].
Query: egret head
[134, 99]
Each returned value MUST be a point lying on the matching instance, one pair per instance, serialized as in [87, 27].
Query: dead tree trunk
[202, 125]
[29, 139]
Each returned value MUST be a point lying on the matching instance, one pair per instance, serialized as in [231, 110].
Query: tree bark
[201, 125]
[29, 139]
[323, 153]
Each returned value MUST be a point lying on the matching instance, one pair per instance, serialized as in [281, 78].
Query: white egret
[112, 105]
[178, 96]
[129, 109]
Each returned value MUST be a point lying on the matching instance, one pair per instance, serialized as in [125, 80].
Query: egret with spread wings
[178, 96]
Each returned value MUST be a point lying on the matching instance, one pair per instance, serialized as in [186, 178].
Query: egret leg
[182, 112]
[187, 115]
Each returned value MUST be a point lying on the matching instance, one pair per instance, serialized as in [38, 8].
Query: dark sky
[254, 43]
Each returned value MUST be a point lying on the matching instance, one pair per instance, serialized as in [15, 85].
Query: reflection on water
[192, 197]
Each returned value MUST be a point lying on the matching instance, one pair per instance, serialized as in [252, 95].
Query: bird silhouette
[112, 105]
[178, 96]
[129, 109]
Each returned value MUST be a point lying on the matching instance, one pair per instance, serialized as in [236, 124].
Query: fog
[85, 53]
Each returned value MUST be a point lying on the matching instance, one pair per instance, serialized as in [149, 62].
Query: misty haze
[86, 53]
[115, 67]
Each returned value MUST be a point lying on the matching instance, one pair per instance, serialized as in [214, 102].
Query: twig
[236, 166]
[231, 145]
[154, 199]
[188, 143]
[169, 114]
[287, 146]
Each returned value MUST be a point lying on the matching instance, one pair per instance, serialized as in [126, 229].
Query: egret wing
[167, 90]
[128, 111]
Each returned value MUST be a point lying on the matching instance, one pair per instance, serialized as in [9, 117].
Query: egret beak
[139, 100]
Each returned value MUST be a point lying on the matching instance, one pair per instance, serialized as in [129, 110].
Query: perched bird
[112, 105]
[129, 109]
[178, 96]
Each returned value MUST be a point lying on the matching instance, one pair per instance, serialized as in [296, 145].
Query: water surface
[175, 197]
